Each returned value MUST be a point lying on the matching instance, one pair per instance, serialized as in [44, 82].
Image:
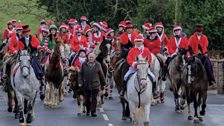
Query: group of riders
[82, 38]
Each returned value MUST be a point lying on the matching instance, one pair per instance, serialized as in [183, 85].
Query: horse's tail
[138, 113]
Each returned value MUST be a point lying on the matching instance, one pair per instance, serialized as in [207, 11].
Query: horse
[54, 75]
[175, 70]
[26, 86]
[78, 91]
[196, 82]
[156, 68]
[104, 56]
[140, 86]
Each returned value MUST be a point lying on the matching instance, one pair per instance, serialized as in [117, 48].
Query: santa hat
[152, 30]
[72, 21]
[43, 21]
[51, 23]
[122, 24]
[129, 25]
[26, 28]
[19, 26]
[84, 18]
[128, 20]
[139, 38]
[147, 26]
[97, 24]
[78, 29]
[63, 25]
[108, 31]
[199, 27]
[13, 20]
[104, 24]
[87, 29]
[9, 22]
[177, 27]
[159, 25]
[44, 28]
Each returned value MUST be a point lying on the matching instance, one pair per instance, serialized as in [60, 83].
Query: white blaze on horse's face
[108, 53]
[25, 63]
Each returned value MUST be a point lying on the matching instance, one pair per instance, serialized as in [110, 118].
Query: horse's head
[105, 49]
[142, 69]
[25, 61]
[182, 58]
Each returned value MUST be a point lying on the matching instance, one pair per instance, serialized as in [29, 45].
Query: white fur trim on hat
[142, 40]
[144, 27]
[97, 25]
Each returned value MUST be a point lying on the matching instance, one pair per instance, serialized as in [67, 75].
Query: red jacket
[194, 43]
[153, 45]
[134, 52]
[65, 37]
[163, 39]
[39, 31]
[124, 38]
[77, 63]
[97, 39]
[75, 43]
[34, 42]
[13, 44]
[172, 45]
[8, 33]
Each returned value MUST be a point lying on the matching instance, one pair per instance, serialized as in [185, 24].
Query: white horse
[139, 93]
[26, 86]
[156, 69]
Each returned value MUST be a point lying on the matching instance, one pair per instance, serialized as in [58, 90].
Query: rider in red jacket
[138, 50]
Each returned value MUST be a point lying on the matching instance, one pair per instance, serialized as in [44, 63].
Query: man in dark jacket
[92, 79]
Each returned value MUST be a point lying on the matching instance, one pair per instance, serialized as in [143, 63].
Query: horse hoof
[182, 107]
[110, 98]
[106, 94]
[22, 124]
[78, 114]
[10, 109]
[74, 96]
[202, 113]
[196, 120]
[124, 118]
[190, 117]
[42, 97]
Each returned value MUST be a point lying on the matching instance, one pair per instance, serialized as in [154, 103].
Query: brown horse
[54, 75]
[196, 82]
[78, 91]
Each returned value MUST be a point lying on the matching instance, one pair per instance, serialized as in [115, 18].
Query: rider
[79, 41]
[80, 59]
[152, 42]
[177, 41]
[43, 38]
[71, 27]
[160, 33]
[8, 33]
[14, 22]
[63, 33]
[121, 28]
[51, 38]
[39, 31]
[84, 24]
[198, 43]
[127, 40]
[13, 48]
[146, 27]
[139, 49]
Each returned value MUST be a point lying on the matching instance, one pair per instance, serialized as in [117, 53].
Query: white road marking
[110, 124]
[105, 117]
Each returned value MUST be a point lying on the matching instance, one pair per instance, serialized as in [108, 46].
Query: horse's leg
[16, 110]
[190, 117]
[162, 90]
[196, 118]
[146, 114]
[122, 100]
[11, 101]
[21, 108]
[132, 113]
[47, 94]
[30, 115]
[204, 99]
[61, 92]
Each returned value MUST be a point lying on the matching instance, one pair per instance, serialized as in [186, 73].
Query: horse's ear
[137, 58]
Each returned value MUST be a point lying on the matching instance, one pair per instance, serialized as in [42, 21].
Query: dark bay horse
[175, 70]
[196, 82]
[54, 75]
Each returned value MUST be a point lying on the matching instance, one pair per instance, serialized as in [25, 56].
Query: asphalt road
[110, 115]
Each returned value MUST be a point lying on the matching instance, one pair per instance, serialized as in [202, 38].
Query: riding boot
[155, 94]
[124, 88]
[42, 89]
[164, 71]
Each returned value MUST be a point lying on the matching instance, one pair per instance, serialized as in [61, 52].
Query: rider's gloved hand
[15, 52]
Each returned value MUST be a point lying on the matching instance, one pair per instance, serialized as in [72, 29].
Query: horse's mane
[201, 73]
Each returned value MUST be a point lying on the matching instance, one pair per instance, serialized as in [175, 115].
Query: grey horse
[26, 86]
